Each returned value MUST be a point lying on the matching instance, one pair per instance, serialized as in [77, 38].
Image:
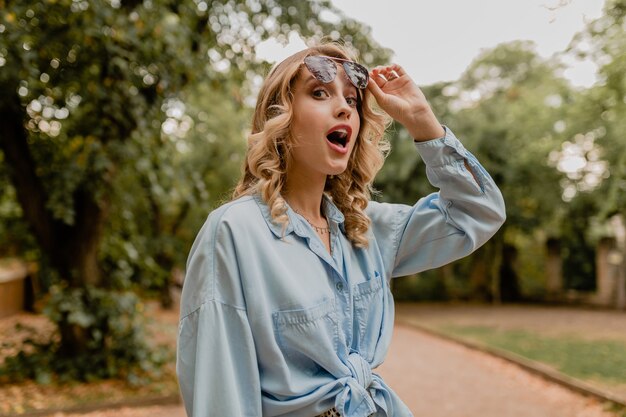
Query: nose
[343, 109]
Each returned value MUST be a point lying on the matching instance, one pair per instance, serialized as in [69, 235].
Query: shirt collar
[333, 215]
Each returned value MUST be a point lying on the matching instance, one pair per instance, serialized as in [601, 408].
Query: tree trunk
[554, 269]
[80, 254]
[74, 339]
[21, 167]
[479, 274]
[496, 265]
[446, 274]
[165, 295]
[619, 223]
[72, 249]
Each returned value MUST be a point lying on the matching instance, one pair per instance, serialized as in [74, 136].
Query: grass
[602, 360]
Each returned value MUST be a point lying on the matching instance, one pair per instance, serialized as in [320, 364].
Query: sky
[435, 40]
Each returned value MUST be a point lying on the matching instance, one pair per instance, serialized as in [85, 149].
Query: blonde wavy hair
[269, 147]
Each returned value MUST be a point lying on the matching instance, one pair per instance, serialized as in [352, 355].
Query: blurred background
[123, 123]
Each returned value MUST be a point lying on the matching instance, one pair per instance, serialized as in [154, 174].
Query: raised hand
[401, 98]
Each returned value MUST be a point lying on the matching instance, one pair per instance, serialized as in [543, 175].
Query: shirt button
[339, 286]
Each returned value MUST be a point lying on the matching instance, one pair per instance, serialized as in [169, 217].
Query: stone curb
[537, 368]
[88, 408]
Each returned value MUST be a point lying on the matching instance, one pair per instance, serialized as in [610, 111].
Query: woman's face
[324, 126]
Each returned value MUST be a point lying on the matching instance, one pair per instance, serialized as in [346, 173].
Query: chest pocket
[368, 315]
[308, 337]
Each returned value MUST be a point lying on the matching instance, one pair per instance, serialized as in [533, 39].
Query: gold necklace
[320, 230]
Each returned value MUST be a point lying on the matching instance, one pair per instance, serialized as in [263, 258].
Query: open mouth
[338, 137]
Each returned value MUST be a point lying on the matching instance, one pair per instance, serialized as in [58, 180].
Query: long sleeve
[216, 364]
[443, 226]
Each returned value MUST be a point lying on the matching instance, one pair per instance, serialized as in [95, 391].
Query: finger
[375, 88]
[383, 70]
[393, 75]
[390, 74]
[398, 69]
[378, 77]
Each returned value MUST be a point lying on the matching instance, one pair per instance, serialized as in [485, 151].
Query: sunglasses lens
[322, 68]
[357, 74]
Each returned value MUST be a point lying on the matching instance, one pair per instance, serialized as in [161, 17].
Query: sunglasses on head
[324, 69]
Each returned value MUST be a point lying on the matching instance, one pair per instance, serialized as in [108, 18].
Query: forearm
[424, 126]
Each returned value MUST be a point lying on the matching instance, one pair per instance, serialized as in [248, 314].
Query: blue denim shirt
[274, 325]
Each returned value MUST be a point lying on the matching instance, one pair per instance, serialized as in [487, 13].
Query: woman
[286, 306]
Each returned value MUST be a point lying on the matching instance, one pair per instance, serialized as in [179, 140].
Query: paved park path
[438, 378]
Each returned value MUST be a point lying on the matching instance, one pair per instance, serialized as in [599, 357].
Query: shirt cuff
[441, 151]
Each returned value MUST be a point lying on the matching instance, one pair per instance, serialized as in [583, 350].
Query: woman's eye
[319, 93]
[352, 101]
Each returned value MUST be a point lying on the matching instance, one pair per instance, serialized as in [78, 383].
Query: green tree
[85, 88]
[504, 108]
[175, 180]
[594, 132]
[600, 110]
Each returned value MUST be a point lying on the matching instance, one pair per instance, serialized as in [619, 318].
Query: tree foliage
[123, 123]
[557, 152]
[93, 140]
[600, 111]
[503, 108]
